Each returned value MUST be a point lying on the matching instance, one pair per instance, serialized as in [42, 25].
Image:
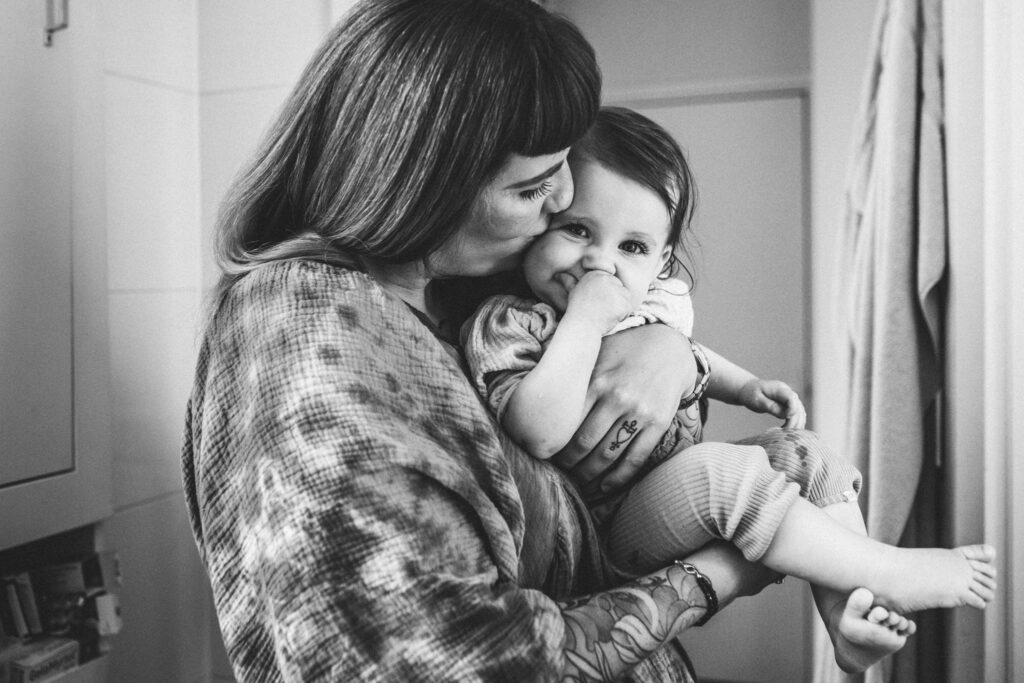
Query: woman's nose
[561, 196]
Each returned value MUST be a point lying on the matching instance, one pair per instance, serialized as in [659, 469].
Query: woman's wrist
[706, 589]
[700, 385]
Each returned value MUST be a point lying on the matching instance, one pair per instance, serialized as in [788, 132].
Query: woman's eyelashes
[542, 190]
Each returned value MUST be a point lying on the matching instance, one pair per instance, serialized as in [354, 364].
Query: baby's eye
[535, 193]
[635, 247]
[576, 229]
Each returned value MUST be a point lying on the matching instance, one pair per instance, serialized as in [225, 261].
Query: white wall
[188, 88]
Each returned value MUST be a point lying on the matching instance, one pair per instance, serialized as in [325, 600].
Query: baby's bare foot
[867, 633]
[926, 578]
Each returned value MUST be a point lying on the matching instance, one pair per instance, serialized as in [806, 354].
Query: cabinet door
[54, 400]
[35, 248]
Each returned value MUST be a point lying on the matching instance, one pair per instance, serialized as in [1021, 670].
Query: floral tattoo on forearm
[608, 633]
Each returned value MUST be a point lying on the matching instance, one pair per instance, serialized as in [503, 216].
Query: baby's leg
[832, 483]
[708, 491]
[813, 546]
[729, 492]
[910, 579]
[824, 478]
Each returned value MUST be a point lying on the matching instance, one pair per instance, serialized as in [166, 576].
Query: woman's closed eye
[635, 247]
[534, 193]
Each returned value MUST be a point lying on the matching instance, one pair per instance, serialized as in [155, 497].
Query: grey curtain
[892, 290]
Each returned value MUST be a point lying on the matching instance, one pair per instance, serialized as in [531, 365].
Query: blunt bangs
[565, 96]
[544, 82]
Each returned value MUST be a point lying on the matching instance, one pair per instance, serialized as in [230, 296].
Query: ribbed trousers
[737, 492]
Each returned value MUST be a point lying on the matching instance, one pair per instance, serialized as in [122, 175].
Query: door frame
[984, 57]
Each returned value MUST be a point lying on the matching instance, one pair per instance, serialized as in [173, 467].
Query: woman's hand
[634, 392]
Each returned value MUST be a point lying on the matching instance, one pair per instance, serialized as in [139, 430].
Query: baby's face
[613, 224]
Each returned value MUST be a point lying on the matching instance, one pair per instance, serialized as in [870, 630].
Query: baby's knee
[711, 460]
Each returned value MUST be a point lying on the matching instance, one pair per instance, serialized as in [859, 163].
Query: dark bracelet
[704, 583]
[703, 376]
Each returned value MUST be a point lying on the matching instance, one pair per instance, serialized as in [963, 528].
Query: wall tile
[152, 356]
[152, 186]
[249, 45]
[152, 40]
[165, 597]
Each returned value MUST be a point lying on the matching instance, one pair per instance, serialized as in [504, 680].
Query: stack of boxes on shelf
[55, 617]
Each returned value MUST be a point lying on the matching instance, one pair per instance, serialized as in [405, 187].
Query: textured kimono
[358, 512]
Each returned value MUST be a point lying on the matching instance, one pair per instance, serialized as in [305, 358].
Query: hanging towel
[894, 263]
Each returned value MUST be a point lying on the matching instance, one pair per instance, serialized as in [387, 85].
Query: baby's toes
[983, 592]
[908, 630]
[893, 620]
[878, 614]
[982, 568]
[974, 600]
[981, 553]
[984, 578]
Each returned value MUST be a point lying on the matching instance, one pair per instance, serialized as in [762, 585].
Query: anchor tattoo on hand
[625, 433]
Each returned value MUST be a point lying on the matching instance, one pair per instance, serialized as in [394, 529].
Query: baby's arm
[730, 383]
[546, 408]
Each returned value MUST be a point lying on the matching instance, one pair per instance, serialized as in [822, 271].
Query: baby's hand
[777, 398]
[600, 300]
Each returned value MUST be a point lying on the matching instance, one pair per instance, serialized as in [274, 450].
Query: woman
[358, 512]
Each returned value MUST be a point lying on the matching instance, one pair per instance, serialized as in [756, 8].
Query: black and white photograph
[657, 341]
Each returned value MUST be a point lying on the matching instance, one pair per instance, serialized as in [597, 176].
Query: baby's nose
[596, 258]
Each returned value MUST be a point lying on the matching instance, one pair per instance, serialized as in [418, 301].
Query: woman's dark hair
[637, 148]
[406, 110]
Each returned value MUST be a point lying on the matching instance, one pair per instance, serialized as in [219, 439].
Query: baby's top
[507, 335]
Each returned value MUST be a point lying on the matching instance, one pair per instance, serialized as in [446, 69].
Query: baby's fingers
[795, 421]
[796, 414]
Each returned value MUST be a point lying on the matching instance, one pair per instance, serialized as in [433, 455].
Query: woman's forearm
[607, 633]
[610, 632]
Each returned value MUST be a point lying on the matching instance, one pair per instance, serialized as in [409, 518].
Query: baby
[781, 497]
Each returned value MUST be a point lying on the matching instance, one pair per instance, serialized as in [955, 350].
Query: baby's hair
[637, 148]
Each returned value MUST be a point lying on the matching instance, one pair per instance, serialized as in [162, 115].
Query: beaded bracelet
[703, 376]
[704, 583]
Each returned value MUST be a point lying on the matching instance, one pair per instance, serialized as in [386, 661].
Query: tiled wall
[189, 85]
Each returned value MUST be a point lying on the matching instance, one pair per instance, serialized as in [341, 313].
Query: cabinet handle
[52, 23]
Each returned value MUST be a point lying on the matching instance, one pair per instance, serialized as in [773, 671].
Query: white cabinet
[35, 249]
[54, 412]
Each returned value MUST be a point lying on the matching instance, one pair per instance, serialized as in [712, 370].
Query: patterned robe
[358, 512]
